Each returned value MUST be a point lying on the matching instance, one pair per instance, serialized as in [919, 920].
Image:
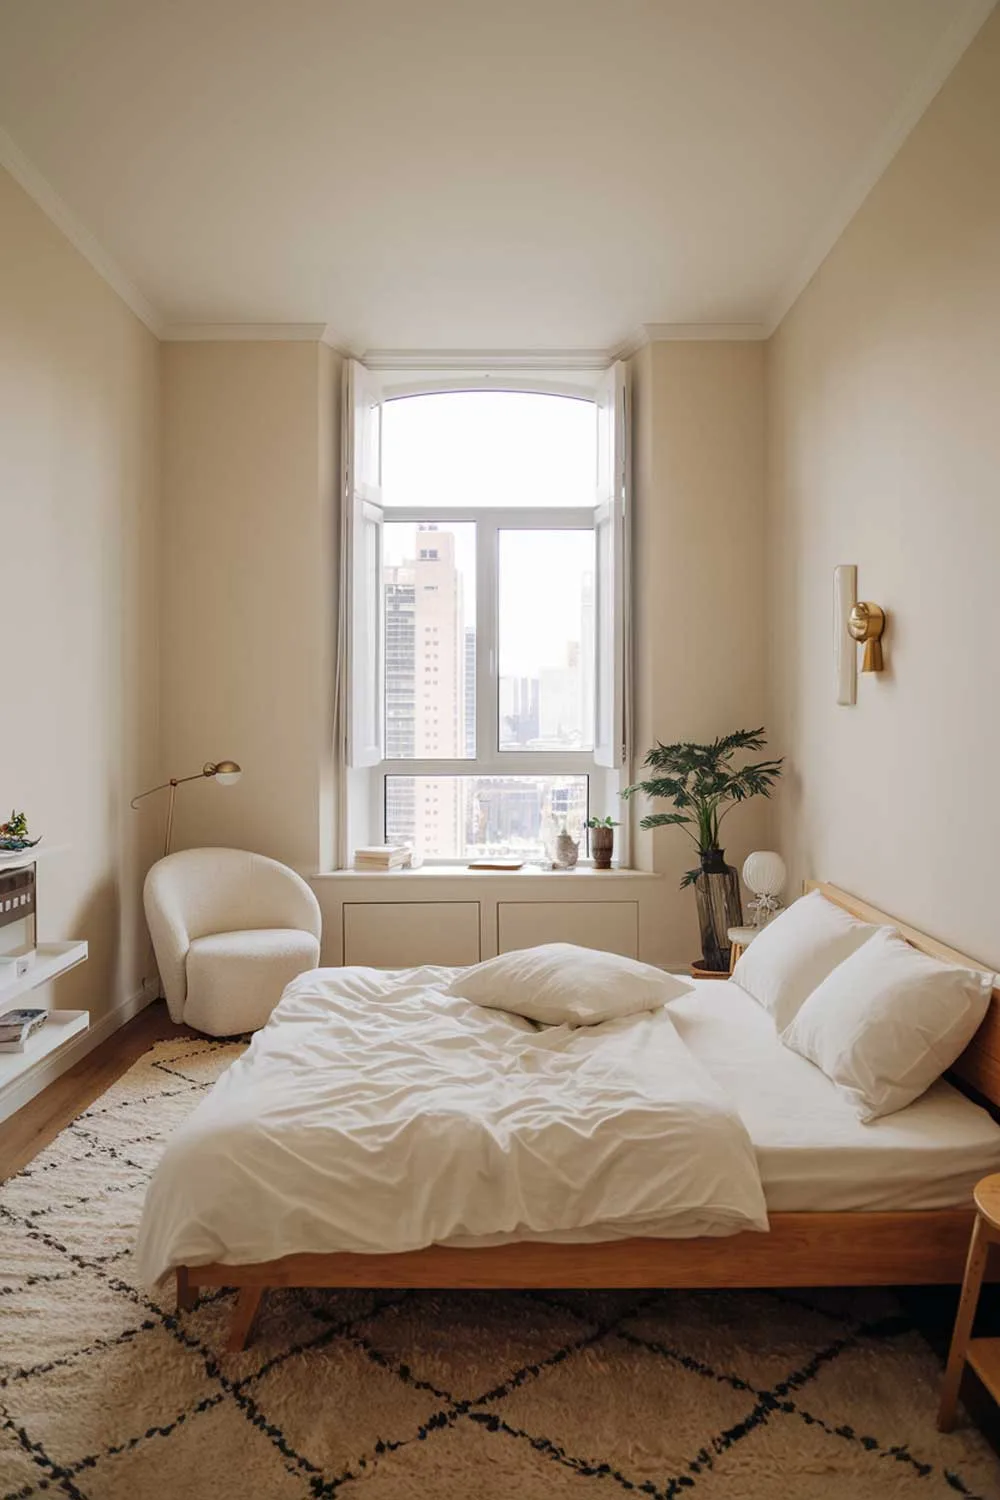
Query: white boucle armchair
[230, 929]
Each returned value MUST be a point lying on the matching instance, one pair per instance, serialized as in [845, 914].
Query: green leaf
[703, 784]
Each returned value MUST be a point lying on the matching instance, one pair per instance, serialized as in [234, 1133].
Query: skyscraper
[470, 691]
[400, 690]
[588, 641]
[425, 691]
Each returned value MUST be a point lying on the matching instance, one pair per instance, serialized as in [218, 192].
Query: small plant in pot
[602, 841]
[704, 786]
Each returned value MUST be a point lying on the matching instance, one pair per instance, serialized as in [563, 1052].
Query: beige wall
[79, 466]
[884, 450]
[249, 591]
[699, 608]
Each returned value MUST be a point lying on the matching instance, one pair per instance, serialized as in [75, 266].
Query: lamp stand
[170, 816]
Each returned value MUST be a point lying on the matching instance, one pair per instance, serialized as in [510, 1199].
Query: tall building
[425, 692]
[470, 691]
[588, 644]
[400, 693]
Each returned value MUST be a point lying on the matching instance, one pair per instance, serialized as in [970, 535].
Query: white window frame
[489, 760]
[608, 392]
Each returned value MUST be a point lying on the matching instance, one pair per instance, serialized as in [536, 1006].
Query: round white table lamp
[764, 873]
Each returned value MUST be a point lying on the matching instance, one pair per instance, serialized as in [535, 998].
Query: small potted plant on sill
[704, 786]
[602, 841]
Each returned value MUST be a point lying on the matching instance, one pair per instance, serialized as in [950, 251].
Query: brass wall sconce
[865, 624]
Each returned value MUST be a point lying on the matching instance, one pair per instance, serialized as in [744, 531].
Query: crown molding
[38, 188]
[687, 333]
[243, 333]
[969, 20]
[486, 359]
[630, 345]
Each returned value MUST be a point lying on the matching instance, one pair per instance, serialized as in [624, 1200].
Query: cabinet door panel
[612, 926]
[400, 935]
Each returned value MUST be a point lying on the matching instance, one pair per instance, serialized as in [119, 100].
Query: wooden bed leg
[247, 1303]
[187, 1293]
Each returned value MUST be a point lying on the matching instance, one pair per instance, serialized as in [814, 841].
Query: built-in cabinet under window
[399, 935]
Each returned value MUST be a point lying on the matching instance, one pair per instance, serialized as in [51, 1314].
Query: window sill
[462, 872]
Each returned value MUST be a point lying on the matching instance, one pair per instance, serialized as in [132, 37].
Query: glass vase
[717, 892]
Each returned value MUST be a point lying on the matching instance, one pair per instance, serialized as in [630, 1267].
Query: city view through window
[542, 677]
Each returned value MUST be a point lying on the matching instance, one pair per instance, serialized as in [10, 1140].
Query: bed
[847, 1204]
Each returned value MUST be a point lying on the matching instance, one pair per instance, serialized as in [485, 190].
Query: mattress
[813, 1153]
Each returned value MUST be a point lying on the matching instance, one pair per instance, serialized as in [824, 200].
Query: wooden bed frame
[801, 1249]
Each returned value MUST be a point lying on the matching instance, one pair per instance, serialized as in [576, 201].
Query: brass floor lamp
[224, 771]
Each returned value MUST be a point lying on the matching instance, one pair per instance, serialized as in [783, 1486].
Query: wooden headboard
[979, 1064]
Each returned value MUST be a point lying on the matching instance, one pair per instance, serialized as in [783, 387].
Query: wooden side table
[982, 1354]
[739, 939]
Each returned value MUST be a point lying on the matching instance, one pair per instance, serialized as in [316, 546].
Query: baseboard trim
[48, 1069]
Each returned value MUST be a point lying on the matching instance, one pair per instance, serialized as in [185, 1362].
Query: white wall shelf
[51, 960]
[59, 1028]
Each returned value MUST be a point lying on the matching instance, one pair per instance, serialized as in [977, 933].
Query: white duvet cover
[374, 1113]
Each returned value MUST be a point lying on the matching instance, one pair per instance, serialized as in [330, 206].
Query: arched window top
[500, 449]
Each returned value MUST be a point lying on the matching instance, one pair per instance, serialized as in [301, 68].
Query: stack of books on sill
[384, 857]
[17, 1025]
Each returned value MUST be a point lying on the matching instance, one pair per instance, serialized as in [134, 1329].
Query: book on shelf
[383, 857]
[16, 1026]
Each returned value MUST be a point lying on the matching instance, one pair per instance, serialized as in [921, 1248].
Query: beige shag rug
[106, 1393]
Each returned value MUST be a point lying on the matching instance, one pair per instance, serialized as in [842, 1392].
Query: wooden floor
[32, 1128]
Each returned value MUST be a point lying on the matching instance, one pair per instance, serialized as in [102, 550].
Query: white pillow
[795, 952]
[560, 983]
[888, 1021]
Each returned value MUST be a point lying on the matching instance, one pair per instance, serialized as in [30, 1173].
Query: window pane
[479, 817]
[430, 640]
[488, 448]
[546, 688]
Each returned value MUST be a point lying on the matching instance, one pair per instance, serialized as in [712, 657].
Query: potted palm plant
[704, 786]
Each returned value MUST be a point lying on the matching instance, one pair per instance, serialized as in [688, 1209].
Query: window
[486, 618]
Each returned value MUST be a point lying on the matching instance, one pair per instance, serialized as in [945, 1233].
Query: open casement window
[362, 432]
[487, 620]
[611, 526]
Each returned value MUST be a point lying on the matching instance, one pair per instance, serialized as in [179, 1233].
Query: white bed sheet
[374, 1113]
[813, 1152]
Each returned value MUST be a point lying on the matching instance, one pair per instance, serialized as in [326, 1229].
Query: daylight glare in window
[546, 627]
[488, 448]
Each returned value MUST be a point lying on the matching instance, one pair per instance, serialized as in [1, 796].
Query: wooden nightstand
[739, 940]
[982, 1354]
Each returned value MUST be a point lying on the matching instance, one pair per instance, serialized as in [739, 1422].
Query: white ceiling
[466, 174]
